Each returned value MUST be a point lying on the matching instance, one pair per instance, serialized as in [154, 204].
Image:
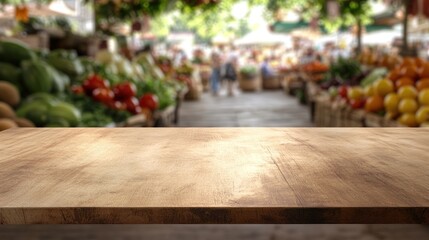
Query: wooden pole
[359, 36]
[405, 47]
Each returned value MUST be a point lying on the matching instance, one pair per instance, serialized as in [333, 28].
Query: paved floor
[260, 109]
[215, 232]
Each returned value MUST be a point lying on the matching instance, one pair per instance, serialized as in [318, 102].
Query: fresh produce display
[60, 89]
[249, 71]
[373, 59]
[66, 62]
[46, 110]
[14, 52]
[344, 72]
[316, 67]
[9, 98]
[400, 94]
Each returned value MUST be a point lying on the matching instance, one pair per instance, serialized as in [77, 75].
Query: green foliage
[350, 12]
[249, 70]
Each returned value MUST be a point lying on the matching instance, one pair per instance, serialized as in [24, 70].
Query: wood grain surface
[214, 175]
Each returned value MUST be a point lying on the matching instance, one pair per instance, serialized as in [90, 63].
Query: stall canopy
[55, 8]
[264, 37]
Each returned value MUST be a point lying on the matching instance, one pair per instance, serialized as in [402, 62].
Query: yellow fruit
[407, 92]
[408, 105]
[391, 115]
[408, 119]
[355, 93]
[369, 91]
[391, 102]
[383, 87]
[424, 97]
[422, 114]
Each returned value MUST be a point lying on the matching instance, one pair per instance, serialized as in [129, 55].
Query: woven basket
[249, 83]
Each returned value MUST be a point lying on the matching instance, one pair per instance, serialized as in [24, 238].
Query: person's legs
[215, 81]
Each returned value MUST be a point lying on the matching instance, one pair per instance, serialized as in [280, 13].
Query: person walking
[231, 74]
[215, 78]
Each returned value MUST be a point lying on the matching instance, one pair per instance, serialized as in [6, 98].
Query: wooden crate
[140, 120]
[312, 91]
[373, 120]
[271, 82]
[323, 110]
[391, 123]
[164, 118]
[355, 118]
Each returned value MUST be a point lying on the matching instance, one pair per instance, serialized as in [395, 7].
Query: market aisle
[259, 109]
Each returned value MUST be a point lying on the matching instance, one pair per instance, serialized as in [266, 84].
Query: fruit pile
[123, 96]
[374, 59]
[402, 95]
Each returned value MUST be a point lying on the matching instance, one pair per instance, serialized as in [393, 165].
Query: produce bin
[271, 82]
[249, 83]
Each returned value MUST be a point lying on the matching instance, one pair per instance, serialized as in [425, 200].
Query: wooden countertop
[214, 175]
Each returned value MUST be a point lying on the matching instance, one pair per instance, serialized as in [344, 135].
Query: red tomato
[93, 82]
[132, 105]
[357, 103]
[77, 89]
[125, 90]
[149, 101]
[103, 95]
[342, 91]
[116, 105]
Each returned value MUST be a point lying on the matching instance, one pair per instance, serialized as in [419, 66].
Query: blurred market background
[143, 63]
[214, 63]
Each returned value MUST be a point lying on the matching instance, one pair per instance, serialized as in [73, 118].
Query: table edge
[215, 215]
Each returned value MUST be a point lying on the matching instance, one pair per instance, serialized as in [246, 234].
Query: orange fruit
[395, 74]
[409, 71]
[408, 119]
[408, 105]
[404, 82]
[424, 71]
[374, 104]
[419, 62]
[407, 61]
[422, 84]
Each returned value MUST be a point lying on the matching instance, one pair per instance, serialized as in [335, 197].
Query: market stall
[60, 89]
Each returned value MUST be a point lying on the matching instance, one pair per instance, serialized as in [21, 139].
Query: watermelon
[15, 52]
[37, 76]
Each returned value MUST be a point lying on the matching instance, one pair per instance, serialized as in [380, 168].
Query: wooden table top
[214, 175]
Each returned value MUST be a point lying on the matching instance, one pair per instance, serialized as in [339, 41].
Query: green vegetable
[14, 52]
[249, 70]
[45, 98]
[10, 73]
[66, 62]
[36, 112]
[95, 114]
[60, 80]
[64, 111]
[345, 69]
[37, 77]
[164, 90]
[373, 76]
